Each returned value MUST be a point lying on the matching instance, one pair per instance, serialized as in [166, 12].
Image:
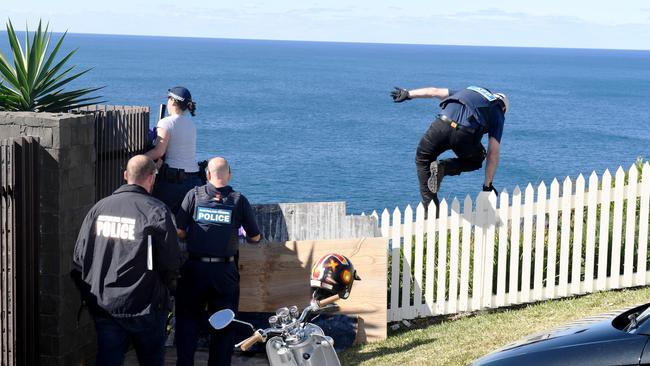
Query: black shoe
[437, 173]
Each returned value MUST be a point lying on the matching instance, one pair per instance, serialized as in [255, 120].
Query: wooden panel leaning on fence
[277, 274]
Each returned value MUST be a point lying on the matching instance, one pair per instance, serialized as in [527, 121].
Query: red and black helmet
[333, 274]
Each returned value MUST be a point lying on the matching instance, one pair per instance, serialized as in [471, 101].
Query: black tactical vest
[213, 232]
[478, 100]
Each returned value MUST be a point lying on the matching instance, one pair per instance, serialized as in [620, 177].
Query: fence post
[488, 276]
[527, 246]
[465, 254]
[419, 258]
[617, 217]
[641, 278]
[480, 227]
[603, 243]
[454, 224]
[407, 263]
[590, 249]
[551, 258]
[394, 313]
[503, 249]
[538, 283]
[630, 225]
[576, 267]
[567, 197]
[431, 250]
[442, 258]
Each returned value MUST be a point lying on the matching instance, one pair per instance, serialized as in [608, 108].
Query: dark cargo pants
[202, 285]
[439, 138]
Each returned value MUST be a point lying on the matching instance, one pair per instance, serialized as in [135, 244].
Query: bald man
[125, 261]
[210, 217]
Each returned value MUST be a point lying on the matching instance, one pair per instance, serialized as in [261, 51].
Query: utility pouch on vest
[203, 165]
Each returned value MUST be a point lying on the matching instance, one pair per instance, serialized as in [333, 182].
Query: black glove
[399, 95]
[490, 188]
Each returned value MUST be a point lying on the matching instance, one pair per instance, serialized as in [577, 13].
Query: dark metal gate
[19, 233]
[120, 133]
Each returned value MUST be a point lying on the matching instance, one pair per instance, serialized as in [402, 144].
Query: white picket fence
[598, 232]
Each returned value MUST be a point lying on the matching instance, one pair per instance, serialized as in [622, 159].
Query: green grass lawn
[459, 341]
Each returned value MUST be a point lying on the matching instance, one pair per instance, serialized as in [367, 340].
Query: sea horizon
[58, 33]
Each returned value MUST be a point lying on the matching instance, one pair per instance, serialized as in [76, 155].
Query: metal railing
[19, 220]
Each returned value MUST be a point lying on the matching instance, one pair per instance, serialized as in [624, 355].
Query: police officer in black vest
[210, 217]
[466, 115]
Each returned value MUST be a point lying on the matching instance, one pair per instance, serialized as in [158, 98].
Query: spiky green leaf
[32, 83]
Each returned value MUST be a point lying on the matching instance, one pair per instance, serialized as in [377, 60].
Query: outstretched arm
[492, 160]
[440, 93]
[399, 94]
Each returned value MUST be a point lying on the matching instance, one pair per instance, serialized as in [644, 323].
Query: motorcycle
[291, 339]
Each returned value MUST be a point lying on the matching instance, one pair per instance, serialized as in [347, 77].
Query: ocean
[308, 121]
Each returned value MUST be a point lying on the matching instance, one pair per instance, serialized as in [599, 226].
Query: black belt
[213, 259]
[455, 124]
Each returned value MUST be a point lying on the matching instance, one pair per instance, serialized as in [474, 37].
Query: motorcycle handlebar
[329, 300]
[259, 335]
[250, 341]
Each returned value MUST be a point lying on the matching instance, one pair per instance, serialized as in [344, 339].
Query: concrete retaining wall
[67, 192]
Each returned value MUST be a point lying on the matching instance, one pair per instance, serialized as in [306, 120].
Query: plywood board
[277, 274]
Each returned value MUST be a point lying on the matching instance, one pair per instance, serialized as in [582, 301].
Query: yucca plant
[35, 82]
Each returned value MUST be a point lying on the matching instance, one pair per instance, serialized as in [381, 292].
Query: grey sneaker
[437, 173]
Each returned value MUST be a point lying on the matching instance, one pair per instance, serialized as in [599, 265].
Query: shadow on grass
[352, 356]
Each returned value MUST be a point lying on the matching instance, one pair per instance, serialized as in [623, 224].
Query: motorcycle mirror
[221, 318]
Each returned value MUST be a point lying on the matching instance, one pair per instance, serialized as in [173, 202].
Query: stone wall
[67, 192]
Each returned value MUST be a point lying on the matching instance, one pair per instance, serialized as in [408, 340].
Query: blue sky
[549, 23]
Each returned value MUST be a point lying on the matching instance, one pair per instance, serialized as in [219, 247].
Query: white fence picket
[540, 229]
[644, 204]
[480, 219]
[385, 224]
[567, 195]
[513, 286]
[603, 238]
[551, 258]
[463, 299]
[394, 313]
[617, 218]
[441, 287]
[590, 246]
[461, 248]
[527, 246]
[503, 249]
[630, 226]
[578, 216]
[419, 257]
[454, 228]
[488, 266]
[430, 261]
[407, 263]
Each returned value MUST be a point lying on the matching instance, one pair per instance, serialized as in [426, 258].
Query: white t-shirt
[181, 149]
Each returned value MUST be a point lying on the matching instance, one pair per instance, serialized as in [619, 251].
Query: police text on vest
[213, 215]
[115, 227]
